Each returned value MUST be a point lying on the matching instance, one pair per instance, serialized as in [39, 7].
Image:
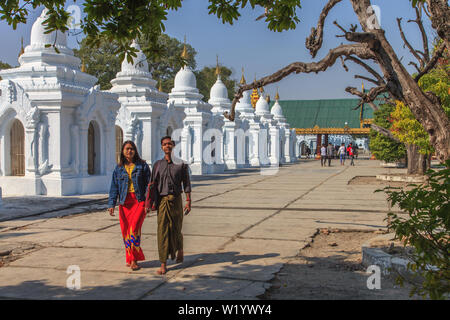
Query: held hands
[111, 212]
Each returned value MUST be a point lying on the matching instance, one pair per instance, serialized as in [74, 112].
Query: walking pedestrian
[129, 183]
[330, 153]
[350, 154]
[169, 179]
[341, 153]
[355, 151]
[323, 155]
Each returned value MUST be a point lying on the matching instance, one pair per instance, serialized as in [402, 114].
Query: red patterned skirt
[131, 215]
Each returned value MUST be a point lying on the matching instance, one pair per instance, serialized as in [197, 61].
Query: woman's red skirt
[131, 215]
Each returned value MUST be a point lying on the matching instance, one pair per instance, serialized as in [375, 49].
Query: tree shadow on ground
[231, 281]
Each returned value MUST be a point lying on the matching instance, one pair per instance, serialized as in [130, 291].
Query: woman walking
[341, 153]
[129, 182]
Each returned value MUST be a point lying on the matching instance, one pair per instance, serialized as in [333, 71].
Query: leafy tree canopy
[206, 78]
[4, 65]
[408, 130]
[103, 63]
[122, 21]
[382, 147]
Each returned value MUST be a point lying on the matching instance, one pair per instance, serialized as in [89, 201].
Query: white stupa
[55, 126]
[142, 106]
[185, 97]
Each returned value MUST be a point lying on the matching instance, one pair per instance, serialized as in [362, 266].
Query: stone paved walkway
[241, 230]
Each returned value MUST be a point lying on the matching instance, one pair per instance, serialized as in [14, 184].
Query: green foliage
[4, 65]
[408, 130]
[207, 77]
[122, 21]
[438, 82]
[382, 147]
[427, 229]
[103, 63]
[165, 66]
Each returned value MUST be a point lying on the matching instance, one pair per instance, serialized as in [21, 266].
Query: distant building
[329, 120]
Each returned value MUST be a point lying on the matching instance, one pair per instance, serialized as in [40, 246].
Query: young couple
[140, 190]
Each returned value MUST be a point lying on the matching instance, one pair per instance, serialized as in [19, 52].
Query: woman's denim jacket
[119, 183]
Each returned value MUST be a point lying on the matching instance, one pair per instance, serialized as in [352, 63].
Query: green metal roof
[327, 113]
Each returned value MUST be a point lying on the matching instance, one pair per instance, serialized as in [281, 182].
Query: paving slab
[232, 212]
[19, 206]
[44, 284]
[242, 228]
[39, 236]
[75, 223]
[285, 248]
[234, 265]
[88, 259]
[207, 288]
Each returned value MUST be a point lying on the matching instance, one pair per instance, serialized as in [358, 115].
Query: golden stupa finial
[254, 96]
[22, 50]
[242, 78]
[362, 86]
[217, 66]
[83, 66]
[277, 96]
[185, 54]
[160, 89]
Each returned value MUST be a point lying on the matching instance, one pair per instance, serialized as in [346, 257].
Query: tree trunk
[417, 162]
[426, 108]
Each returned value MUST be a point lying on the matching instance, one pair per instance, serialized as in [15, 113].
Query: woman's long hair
[123, 161]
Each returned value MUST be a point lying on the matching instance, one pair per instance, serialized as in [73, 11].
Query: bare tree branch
[437, 54]
[384, 132]
[315, 39]
[343, 64]
[415, 65]
[369, 69]
[367, 79]
[413, 51]
[370, 96]
[337, 24]
[418, 20]
[360, 50]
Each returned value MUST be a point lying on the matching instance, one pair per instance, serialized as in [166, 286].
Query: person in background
[330, 153]
[350, 154]
[341, 153]
[323, 155]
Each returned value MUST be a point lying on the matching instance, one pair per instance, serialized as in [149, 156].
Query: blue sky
[249, 44]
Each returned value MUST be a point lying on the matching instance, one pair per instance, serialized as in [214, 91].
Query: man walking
[330, 153]
[350, 154]
[167, 181]
[323, 155]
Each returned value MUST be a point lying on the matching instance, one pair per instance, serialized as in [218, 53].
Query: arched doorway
[93, 148]
[17, 143]
[119, 142]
